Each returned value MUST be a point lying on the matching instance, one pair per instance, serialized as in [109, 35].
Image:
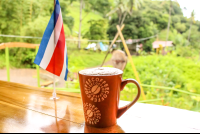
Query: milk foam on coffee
[101, 71]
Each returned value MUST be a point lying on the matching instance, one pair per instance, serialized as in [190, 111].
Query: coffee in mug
[100, 91]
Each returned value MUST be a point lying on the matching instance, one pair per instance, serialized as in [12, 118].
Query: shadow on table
[64, 126]
[113, 129]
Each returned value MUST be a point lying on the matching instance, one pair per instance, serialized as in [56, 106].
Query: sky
[190, 5]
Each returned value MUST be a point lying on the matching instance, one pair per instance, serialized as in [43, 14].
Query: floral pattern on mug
[96, 89]
[92, 113]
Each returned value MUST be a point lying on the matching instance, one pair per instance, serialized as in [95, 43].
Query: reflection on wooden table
[29, 109]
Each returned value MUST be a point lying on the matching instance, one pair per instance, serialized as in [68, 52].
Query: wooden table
[29, 109]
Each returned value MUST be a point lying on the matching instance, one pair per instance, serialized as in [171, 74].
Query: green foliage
[74, 10]
[35, 29]
[18, 16]
[175, 19]
[22, 57]
[194, 37]
[168, 71]
[121, 8]
[176, 10]
[135, 27]
[2, 61]
[27, 18]
[186, 51]
[153, 17]
[100, 6]
[177, 38]
[148, 45]
[162, 22]
[97, 30]
[180, 27]
[69, 20]
[91, 59]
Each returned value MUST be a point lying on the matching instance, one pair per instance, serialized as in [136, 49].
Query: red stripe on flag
[56, 64]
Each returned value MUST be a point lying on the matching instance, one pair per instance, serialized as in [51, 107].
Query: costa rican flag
[52, 54]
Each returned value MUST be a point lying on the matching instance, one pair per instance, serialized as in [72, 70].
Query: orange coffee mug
[100, 97]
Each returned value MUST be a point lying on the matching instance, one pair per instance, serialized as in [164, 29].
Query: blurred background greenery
[142, 18]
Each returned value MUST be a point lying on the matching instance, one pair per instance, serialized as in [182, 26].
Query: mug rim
[100, 75]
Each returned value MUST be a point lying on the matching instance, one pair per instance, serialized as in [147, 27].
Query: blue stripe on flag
[66, 66]
[47, 34]
[66, 74]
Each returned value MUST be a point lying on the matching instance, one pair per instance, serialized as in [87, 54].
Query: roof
[163, 43]
[129, 41]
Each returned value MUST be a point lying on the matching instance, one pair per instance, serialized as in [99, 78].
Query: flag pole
[54, 88]
[54, 79]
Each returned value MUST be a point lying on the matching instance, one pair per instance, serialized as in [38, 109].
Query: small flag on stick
[52, 53]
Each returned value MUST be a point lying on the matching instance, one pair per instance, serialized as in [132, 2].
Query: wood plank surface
[29, 109]
[21, 120]
[39, 100]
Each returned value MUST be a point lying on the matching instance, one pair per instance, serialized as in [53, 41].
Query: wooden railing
[6, 46]
[18, 44]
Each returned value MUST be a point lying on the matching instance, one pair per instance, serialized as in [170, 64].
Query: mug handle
[122, 110]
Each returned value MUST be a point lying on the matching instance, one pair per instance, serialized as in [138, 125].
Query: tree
[172, 10]
[156, 13]
[80, 23]
[88, 6]
[168, 26]
[180, 27]
[14, 15]
[191, 22]
[100, 6]
[194, 36]
[176, 19]
[68, 20]
[124, 7]
[17, 14]
[97, 30]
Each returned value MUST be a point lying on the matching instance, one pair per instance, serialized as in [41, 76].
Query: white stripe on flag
[58, 27]
[62, 75]
[51, 46]
[48, 52]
